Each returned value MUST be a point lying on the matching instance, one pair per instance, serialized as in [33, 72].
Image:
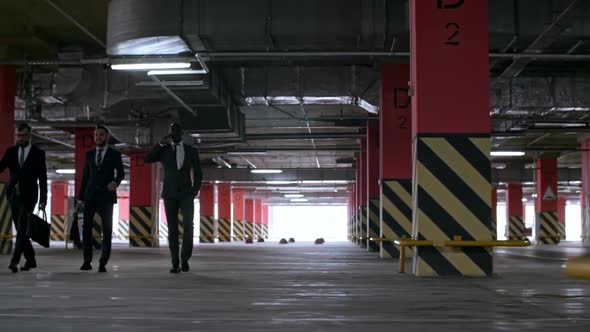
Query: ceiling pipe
[76, 23]
[172, 94]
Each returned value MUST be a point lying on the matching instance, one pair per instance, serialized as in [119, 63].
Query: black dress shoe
[175, 269]
[28, 266]
[102, 268]
[13, 268]
[184, 267]
[86, 267]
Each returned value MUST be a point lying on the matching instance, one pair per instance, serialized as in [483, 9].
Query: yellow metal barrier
[578, 267]
[378, 239]
[456, 242]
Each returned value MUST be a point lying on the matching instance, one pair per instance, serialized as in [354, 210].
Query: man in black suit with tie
[103, 173]
[26, 163]
[179, 162]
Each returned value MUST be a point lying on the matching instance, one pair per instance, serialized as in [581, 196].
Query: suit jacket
[33, 171]
[177, 182]
[95, 181]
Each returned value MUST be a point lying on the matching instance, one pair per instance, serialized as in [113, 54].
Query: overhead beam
[297, 174]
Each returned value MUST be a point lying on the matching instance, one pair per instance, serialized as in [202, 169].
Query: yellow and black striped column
[452, 176]
[548, 228]
[239, 230]
[362, 227]
[373, 226]
[206, 232]
[5, 222]
[140, 226]
[224, 227]
[123, 229]
[97, 232]
[396, 214]
[58, 228]
[180, 227]
[514, 212]
[249, 227]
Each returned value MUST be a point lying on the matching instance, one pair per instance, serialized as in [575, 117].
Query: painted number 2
[453, 32]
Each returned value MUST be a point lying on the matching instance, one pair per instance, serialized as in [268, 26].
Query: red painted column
[373, 230]
[265, 221]
[239, 217]
[59, 210]
[7, 95]
[451, 135]
[258, 218]
[357, 202]
[207, 211]
[585, 193]
[494, 213]
[514, 212]
[249, 219]
[123, 203]
[141, 199]
[224, 212]
[363, 191]
[395, 148]
[547, 229]
[84, 141]
[561, 204]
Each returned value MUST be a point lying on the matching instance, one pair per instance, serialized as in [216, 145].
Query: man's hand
[112, 186]
[80, 206]
[42, 206]
[165, 140]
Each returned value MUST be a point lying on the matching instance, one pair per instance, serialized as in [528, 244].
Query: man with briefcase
[28, 182]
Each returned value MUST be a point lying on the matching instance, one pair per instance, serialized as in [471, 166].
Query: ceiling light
[293, 195]
[561, 124]
[247, 153]
[266, 171]
[150, 66]
[524, 199]
[279, 182]
[176, 72]
[66, 171]
[507, 153]
[298, 200]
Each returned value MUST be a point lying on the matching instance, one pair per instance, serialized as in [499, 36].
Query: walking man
[103, 173]
[179, 162]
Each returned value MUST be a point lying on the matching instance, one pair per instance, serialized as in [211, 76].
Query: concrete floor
[294, 287]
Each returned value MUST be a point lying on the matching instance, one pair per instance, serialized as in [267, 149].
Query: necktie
[21, 158]
[175, 149]
[99, 159]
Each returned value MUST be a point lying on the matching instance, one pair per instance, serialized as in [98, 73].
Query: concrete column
[514, 212]
[561, 204]
[59, 210]
[395, 148]
[239, 217]
[373, 229]
[7, 95]
[547, 230]
[207, 211]
[142, 186]
[451, 135]
[357, 202]
[224, 212]
[123, 222]
[585, 194]
[249, 225]
[83, 142]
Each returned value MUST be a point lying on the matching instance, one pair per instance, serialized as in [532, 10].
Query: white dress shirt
[26, 150]
[179, 148]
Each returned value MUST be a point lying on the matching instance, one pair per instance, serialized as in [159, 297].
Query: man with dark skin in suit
[26, 163]
[182, 181]
[103, 173]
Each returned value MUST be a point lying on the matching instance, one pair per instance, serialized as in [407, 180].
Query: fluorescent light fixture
[562, 124]
[247, 153]
[176, 72]
[293, 195]
[298, 200]
[507, 153]
[150, 66]
[65, 171]
[279, 182]
[266, 171]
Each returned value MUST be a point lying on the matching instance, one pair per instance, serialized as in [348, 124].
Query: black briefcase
[38, 229]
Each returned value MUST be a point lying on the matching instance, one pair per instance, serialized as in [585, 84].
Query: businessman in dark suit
[179, 162]
[26, 163]
[103, 173]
